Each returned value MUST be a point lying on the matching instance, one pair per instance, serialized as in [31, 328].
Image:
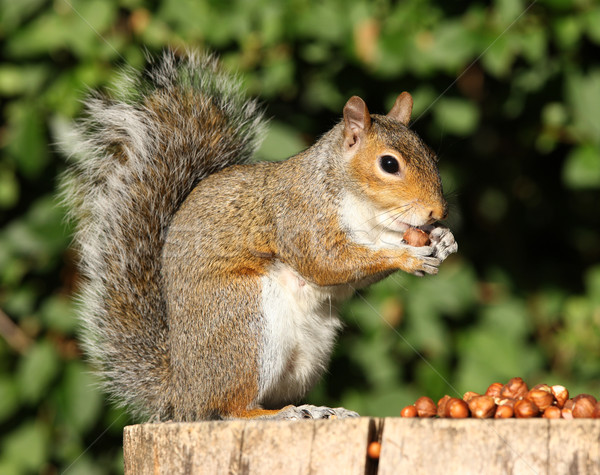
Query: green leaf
[21, 79]
[282, 141]
[78, 26]
[567, 31]
[456, 116]
[582, 167]
[508, 10]
[37, 370]
[454, 45]
[58, 313]
[26, 447]
[499, 53]
[533, 43]
[592, 20]
[9, 188]
[14, 13]
[9, 397]
[81, 398]
[509, 317]
[554, 114]
[583, 93]
[41, 236]
[592, 284]
[27, 138]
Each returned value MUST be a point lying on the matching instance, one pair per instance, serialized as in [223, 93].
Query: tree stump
[415, 446]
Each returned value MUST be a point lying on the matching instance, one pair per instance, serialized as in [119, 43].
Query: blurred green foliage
[507, 92]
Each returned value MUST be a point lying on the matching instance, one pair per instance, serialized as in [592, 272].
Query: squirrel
[210, 283]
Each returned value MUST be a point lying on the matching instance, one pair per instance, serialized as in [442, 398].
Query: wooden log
[515, 446]
[231, 447]
[416, 446]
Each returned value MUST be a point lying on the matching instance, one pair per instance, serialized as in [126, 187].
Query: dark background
[506, 92]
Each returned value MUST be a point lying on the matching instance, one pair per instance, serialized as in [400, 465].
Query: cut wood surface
[412, 446]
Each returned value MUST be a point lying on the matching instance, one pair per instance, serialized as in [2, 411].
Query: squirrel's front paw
[420, 260]
[308, 411]
[443, 242]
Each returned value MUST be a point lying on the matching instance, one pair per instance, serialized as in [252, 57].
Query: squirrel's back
[138, 154]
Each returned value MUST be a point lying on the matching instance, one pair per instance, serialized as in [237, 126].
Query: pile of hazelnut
[513, 399]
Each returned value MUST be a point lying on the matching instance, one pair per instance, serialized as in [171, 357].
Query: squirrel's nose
[439, 212]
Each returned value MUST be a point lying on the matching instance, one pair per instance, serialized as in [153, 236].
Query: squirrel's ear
[357, 120]
[402, 108]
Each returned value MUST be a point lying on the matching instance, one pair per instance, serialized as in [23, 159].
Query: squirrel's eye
[389, 164]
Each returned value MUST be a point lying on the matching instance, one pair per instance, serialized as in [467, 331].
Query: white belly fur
[301, 324]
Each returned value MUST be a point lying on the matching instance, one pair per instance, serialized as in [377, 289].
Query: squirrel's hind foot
[307, 411]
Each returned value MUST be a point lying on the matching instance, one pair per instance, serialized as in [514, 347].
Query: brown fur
[181, 233]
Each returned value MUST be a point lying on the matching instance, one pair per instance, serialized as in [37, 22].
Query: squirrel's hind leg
[305, 411]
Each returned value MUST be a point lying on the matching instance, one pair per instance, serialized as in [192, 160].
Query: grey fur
[138, 154]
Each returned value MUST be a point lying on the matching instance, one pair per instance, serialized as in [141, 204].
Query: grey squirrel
[210, 284]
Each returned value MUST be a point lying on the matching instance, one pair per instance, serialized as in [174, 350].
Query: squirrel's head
[392, 166]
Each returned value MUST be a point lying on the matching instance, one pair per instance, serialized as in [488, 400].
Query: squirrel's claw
[308, 411]
[429, 265]
[443, 242]
[442, 245]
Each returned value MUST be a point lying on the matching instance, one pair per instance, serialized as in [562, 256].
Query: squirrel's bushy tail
[138, 154]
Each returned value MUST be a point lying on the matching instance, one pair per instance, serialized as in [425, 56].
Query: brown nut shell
[552, 412]
[457, 408]
[524, 409]
[409, 411]
[591, 398]
[494, 389]
[425, 407]
[541, 398]
[583, 408]
[560, 393]
[504, 412]
[543, 387]
[416, 237]
[516, 388]
[374, 450]
[482, 407]
[470, 394]
[505, 402]
[441, 406]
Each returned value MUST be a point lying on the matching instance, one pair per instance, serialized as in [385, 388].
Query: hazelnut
[584, 407]
[514, 389]
[416, 237]
[569, 403]
[409, 411]
[441, 406]
[482, 407]
[425, 407]
[543, 387]
[457, 408]
[552, 412]
[505, 402]
[585, 396]
[504, 412]
[494, 389]
[596, 414]
[541, 398]
[524, 408]
[470, 394]
[560, 393]
[566, 413]
[374, 450]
